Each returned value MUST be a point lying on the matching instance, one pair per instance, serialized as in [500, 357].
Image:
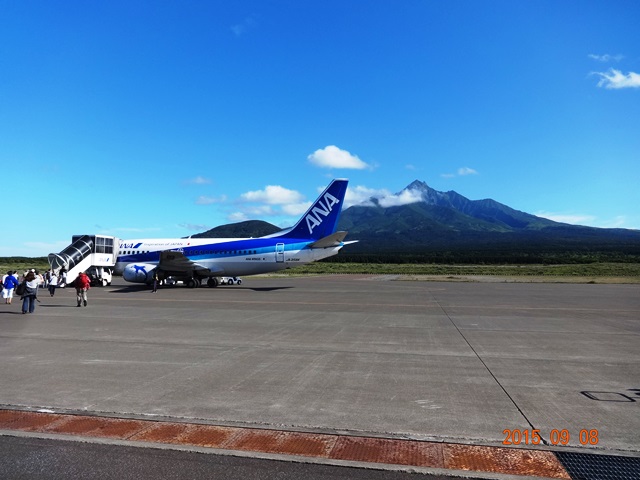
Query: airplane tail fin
[322, 217]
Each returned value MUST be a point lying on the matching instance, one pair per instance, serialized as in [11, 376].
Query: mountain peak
[429, 195]
[418, 185]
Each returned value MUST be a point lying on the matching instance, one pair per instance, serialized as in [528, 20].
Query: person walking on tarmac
[53, 283]
[9, 283]
[30, 294]
[82, 284]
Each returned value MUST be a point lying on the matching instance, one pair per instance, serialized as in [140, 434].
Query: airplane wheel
[191, 283]
[212, 283]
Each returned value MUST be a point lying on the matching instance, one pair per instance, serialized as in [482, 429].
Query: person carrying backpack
[30, 294]
[82, 284]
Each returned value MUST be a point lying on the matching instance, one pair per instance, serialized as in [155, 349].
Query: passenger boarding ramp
[85, 251]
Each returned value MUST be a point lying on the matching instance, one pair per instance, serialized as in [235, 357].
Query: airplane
[196, 260]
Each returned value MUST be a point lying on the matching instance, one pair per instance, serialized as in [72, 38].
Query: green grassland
[601, 272]
[614, 272]
[22, 264]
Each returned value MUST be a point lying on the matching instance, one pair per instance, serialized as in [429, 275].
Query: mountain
[434, 224]
[447, 220]
[248, 229]
[438, 212]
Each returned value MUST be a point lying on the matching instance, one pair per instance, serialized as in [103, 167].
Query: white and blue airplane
[196, 260]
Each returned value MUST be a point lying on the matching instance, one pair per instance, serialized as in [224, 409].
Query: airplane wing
[174, 262]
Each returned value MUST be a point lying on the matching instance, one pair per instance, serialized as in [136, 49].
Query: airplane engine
[139, 272]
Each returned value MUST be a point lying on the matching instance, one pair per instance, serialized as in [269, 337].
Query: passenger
[82, 284]
[39, 277]
[30, 295]
[62, 281]
[9, 282]
[155, 282]
[53, 283]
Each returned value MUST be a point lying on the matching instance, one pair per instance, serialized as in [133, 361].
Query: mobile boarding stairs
[97, 253]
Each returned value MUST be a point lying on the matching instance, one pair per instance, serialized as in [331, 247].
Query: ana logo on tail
[313, 218]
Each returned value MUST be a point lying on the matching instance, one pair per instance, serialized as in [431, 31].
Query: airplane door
[279, 252]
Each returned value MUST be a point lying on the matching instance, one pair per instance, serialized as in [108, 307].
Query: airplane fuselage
[194, 260]
[225, 257]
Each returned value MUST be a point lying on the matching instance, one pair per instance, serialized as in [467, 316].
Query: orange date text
[556, 437]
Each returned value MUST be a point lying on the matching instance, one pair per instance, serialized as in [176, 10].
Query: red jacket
[82, 282]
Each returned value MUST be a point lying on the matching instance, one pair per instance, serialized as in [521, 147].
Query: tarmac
[494, 380]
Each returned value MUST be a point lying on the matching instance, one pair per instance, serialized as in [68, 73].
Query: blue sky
[165, 118]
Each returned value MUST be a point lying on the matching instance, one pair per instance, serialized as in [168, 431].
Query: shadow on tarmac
[133, 289]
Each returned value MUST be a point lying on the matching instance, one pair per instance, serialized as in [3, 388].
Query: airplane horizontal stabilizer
[333, 240]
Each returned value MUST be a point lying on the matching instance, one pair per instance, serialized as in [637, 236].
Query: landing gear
[195, 282]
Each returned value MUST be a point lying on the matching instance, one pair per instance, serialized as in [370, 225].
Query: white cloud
[273, 201]
[131, 230]
[361, 195]
[51, 247]
[273, 195]
[573, 219]
[205, 200]
[259, 210]
[403, 198]
[243, 27]
[199, 180]
[334, 157]
[195, 227]
[237, 217]
[466, 171]
[296, 209]
[461, 172]
[615, 79]
[606, 57]
[617, 222]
